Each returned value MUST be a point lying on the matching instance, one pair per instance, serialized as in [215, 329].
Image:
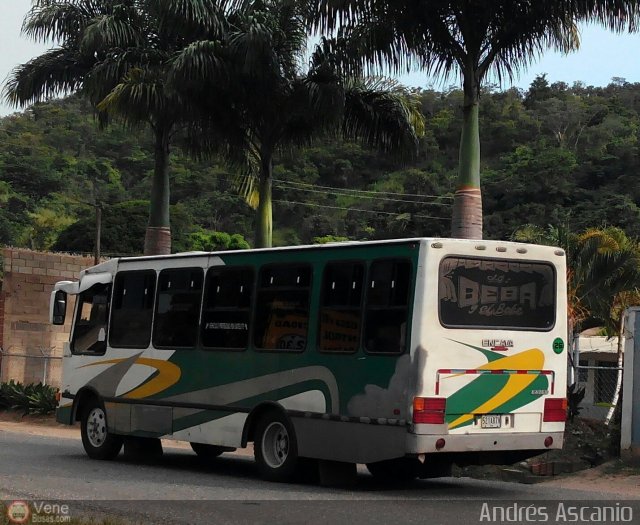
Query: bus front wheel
[275, 448]
[97, 441]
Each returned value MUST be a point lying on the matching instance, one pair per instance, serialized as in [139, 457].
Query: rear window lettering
[490, 293]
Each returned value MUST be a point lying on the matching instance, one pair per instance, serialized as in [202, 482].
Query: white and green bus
[405, 355]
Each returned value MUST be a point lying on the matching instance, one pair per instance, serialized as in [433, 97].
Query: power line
[358, 209]
[338, 193]
[364, 191]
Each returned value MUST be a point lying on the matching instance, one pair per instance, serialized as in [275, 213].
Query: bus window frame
[153, 308]
[365, 275]
[509, 328]
[409, 306]
[76, 315]
[252, 303]
[258, 288]
[195, 346]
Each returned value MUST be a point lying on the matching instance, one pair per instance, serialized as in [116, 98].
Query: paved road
[179, 489]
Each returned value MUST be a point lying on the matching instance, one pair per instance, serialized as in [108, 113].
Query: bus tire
[97, 441]
[275, 447]
[399, 470]
[208, 452]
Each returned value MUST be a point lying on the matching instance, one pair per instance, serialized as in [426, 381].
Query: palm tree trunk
[467, 205]
[158, 236]
[616, 394]
[264, 220]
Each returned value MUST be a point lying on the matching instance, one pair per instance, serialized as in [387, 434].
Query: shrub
[31, 399]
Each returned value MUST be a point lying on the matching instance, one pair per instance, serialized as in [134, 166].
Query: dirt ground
[586, 442]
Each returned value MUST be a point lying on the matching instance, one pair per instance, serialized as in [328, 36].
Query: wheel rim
[96, 427]
[275, 444]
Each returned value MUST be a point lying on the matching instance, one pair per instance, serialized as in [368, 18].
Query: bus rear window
[477, 292]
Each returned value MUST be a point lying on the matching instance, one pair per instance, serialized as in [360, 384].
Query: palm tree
[610, 273]
[472, 39]
[603, 279]
[257, 99]
[117, 55]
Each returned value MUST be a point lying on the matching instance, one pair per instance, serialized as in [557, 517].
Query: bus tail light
[429, 410]
[555, 410]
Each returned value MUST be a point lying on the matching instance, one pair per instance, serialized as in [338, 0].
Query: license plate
[491, 421]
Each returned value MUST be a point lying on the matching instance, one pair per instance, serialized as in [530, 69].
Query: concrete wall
[630, 428]
[25, 333]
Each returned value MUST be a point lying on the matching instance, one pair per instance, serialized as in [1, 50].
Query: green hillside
[555, 154]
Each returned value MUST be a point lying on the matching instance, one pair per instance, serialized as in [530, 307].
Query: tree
[213, 241]
[603, 279]
[123, 227]
[473, 38]
[116, 54]
[256, 99]
[609, 271]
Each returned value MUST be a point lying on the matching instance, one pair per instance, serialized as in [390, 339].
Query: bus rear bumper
[474, 443]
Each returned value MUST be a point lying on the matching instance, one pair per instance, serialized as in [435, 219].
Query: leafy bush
[31, 399]
[210, 241]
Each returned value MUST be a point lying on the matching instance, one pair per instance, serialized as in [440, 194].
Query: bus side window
[178, 308]
[341, 308]
[282, 308]
[226, 312]
[387, 306]
[132, 309]
[90, 330]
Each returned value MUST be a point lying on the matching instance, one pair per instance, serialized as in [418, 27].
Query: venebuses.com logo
[18, 512]
[22, 512]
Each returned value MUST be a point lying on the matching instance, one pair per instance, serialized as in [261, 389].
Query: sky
[603, 55]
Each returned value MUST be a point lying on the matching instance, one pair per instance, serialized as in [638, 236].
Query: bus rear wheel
[275, 448]
[97, 441]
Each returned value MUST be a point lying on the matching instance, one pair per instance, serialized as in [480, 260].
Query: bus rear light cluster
[555, 410]
[429, 410]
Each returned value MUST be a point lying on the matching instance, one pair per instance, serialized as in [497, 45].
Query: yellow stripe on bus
[532, 359]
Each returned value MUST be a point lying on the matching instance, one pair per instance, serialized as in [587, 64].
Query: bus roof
[441, 241]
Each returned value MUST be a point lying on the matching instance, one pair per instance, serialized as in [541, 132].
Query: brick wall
[25, 332]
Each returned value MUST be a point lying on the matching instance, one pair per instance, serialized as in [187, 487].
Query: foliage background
[554, 154]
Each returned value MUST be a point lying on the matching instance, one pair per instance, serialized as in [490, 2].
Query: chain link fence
[37, 364]
[603, 378]
[599, 381]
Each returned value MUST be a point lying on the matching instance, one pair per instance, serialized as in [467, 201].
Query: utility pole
[96, 253]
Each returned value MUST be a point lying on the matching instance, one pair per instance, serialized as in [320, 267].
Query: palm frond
[617, 15]
[252, 48]
[201, 19]
[200, 61]
[61, 20]
[444, 37]
[140, 97]
[56, 72]
[381, 117]
[116, 30]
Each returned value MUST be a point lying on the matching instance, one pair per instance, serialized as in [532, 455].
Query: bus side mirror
[58, 307]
